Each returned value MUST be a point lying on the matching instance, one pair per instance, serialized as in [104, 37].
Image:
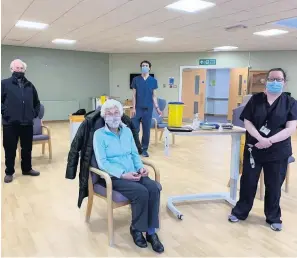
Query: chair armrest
[155, 122]
[48, 131]
[156, 170]
[107, 179]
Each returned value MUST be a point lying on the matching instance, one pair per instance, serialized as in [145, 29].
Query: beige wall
[166, 65]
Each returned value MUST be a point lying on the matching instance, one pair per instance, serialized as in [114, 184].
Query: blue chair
[158, 121]
[100, 185]
[41, 134]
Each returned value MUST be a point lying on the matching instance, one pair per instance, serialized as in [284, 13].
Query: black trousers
[11, 135]
[274, 176]
[144, 196]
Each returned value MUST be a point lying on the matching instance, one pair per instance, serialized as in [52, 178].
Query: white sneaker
[233, 218]
[276, 226]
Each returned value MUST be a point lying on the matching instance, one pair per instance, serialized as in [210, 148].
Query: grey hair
[20, 61]
[111, 103]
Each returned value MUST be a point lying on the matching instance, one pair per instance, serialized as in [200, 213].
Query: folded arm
[104, 164]
[252, 130]
[285, 133]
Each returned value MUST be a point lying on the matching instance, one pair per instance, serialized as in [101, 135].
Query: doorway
[212, 92]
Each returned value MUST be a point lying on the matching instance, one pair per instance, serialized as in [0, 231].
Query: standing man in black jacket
[19, 106]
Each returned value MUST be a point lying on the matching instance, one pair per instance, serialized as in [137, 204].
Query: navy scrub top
[144, 91]
[259, 111]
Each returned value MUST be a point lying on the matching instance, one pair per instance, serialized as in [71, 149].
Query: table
[230, 197]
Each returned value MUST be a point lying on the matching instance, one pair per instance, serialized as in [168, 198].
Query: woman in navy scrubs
[270, 119]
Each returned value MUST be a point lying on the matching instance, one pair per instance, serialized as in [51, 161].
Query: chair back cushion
[162, 105]
[37, 125]
[236, 117]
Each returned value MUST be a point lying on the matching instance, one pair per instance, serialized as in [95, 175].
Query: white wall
[65, 80]
[165, 65]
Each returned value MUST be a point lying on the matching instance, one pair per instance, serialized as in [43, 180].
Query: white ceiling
[113, 25]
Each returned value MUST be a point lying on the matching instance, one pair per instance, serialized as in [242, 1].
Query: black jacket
[82, 146]
[19, 104]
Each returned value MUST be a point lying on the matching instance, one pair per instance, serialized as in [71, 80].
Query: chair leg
[228, 185]
[161, 135]
[173, 139]
[156, 136]
[43, 148]
[89, 207]
[50, 149]
[287, 180]
[262, 187]
[110, 223]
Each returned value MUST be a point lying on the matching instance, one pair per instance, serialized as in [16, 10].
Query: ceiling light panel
[31, 25]
[64, 41]
[269, 33]
[190, 6]
[225, 48]
[149, 39]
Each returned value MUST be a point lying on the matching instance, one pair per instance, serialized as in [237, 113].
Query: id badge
[265, 130]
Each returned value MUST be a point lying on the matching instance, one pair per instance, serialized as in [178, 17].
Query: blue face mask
[274, 87]
[145, 69]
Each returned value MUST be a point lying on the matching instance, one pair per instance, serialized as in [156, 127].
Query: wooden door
[238, 88]
[193, 92]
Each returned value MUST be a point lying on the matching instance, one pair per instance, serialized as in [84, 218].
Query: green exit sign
[207, 61]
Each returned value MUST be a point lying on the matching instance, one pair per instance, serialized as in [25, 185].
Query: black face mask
[18, 75]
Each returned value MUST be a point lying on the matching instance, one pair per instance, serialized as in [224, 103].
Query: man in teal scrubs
[144, 100]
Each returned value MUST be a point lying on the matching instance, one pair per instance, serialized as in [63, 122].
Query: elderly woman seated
[117, 155]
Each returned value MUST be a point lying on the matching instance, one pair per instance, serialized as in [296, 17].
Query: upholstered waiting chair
[157, 121]
[100, 184]
[41, 134]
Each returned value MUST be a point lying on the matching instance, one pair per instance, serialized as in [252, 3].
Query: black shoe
[145, 154]
[138, 238]
[155, 242]
[8, 179]
[31, 173]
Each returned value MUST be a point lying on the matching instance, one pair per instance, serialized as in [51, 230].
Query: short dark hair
[278, 70]
[147, 62]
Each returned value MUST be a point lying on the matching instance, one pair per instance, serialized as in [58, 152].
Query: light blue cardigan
[116, 154]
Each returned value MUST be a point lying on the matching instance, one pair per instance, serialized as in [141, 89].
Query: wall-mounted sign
[171, 82]
[207, 61]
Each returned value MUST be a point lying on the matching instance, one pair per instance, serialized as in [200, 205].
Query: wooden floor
[40, 215]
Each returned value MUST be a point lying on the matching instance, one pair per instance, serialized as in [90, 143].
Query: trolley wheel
[180, 216]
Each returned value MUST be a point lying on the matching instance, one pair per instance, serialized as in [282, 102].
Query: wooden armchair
[41, 134]
[113, 198]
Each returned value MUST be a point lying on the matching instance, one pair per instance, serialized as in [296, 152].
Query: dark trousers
[144, 196]
[11, 135]
[274, 176]
[143, 115]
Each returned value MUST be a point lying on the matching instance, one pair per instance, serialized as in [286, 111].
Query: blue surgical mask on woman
[274, 87]
[145, 69]
[113, 121]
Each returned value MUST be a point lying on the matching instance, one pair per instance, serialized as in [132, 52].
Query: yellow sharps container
[102, 99]
[175, 114]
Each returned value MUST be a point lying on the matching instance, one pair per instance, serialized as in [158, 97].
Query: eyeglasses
[275, 79]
